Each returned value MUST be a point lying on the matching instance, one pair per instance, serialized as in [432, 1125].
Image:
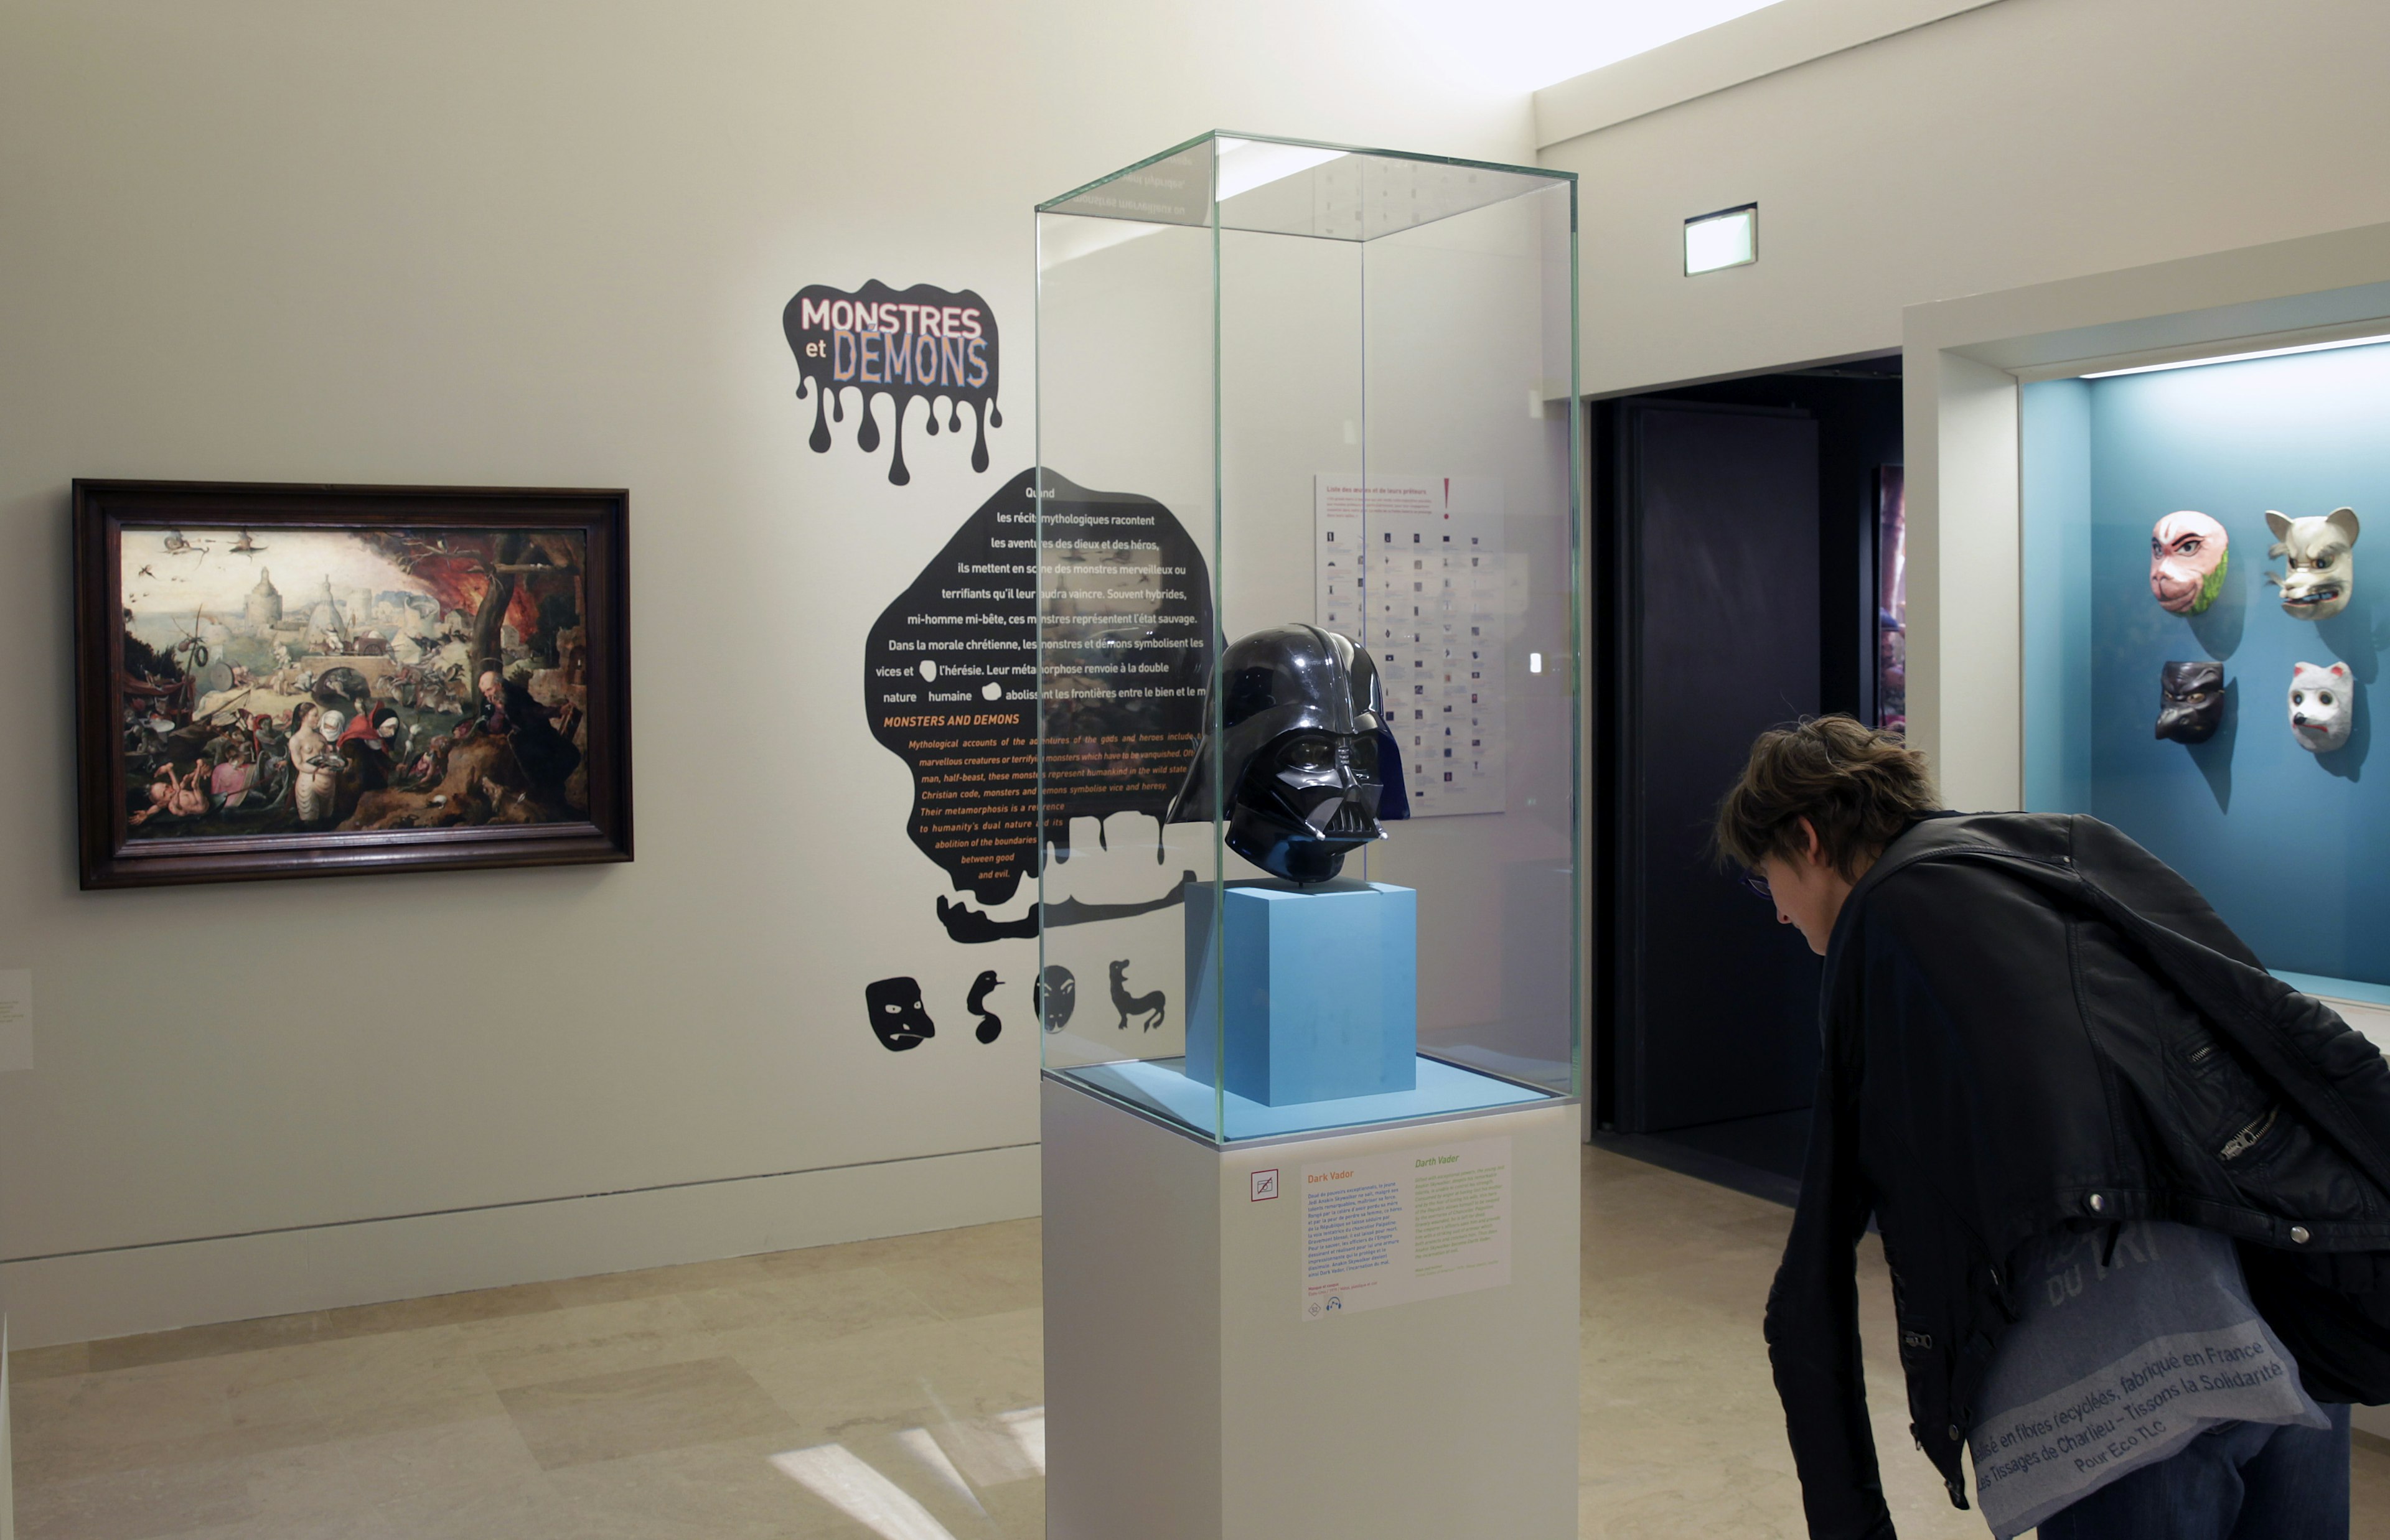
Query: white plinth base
[1189, 1398]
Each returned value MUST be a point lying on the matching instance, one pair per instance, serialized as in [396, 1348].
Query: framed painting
[301, 681]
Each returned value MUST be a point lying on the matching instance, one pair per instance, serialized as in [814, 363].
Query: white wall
[546, 244]
[2023, 141]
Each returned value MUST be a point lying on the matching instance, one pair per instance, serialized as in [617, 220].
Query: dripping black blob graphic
[950, 687]
[923, 343]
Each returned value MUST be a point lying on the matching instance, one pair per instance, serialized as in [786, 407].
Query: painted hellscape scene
[294, 681]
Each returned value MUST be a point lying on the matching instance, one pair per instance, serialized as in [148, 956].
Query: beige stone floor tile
[649, 1405]
[2369, 1487]
[653, 1282]
[133, 1505]
[643, 1411]
[304, 1328]
[354, 1376]
[1720, 1283]
[525, 1508]
[178, 1397]
[421, 1478]
[992, 1270]
[1697, 1500]
[816, 1261]
[895, 1378]
[1765, 1231]
[227, 1407]
[1017, 1339]
[574, 1341]
[475, 1304]
[722, 1491]
[812, 1307]
[922, 1246]
[1016, 1512]
[94, 1412]
[966, 1502]
[202, 1342]
[27, 1365]
[648, 1283]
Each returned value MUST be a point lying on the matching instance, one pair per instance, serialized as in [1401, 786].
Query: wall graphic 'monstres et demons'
[922, 344]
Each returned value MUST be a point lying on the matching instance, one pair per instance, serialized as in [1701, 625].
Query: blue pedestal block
[1319, 996]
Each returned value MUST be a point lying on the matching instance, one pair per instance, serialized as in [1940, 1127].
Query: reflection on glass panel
[1306, 528]
[1891, 600]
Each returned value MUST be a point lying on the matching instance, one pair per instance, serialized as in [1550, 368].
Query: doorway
[1741, 532]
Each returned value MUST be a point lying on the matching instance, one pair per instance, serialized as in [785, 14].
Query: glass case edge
[1214, 709]
[1037, 577]
[1548, 1099]
[1550, 172]
[1580, 998]
[1054, 205]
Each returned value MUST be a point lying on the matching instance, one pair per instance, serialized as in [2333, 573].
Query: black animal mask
[896, 1013]
[2191, 700]
[1298, 717]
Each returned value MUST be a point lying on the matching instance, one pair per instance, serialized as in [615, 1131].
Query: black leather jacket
[2031, 1023]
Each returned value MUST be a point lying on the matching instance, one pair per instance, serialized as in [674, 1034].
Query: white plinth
[1189, 1395]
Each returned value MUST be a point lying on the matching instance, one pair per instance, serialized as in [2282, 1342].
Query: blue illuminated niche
[2291, 847]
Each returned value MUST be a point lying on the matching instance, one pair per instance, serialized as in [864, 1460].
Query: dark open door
[1708, 582]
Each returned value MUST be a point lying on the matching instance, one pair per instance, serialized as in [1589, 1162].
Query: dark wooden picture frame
[482, 699]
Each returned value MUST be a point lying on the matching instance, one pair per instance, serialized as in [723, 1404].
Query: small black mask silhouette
[1299, 718]
[2191, 700]
[896, 1013]
[1055, 995]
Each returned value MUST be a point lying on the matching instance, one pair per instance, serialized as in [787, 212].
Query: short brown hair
[1857, 786]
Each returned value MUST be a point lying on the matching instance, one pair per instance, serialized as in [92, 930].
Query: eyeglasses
[1758, 886]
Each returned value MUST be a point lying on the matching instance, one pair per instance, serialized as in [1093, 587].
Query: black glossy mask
[2191, 700]
[1299, 752]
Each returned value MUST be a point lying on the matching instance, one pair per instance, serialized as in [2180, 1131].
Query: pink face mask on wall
[2188, 553]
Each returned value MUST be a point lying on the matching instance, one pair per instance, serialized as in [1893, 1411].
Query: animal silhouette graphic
[990, 1023]
[1146, 1005]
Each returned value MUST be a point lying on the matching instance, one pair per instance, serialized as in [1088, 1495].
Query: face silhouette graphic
[1057, 995]
[2191, 700]
[896, 1015]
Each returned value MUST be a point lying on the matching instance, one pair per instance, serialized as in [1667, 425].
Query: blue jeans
[2237, 1481]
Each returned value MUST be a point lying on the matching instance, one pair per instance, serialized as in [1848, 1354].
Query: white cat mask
[2322, 557]
[2321, 708]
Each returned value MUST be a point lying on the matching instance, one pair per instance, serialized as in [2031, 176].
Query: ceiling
[1526, 45]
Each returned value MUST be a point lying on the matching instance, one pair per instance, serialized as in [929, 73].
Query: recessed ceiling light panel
[1726, 238]
[2241, 357]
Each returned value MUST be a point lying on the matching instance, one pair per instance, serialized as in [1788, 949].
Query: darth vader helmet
[1299, 716]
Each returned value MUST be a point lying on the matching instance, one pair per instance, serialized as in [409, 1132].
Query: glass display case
[2202, 633]
[1306, 551]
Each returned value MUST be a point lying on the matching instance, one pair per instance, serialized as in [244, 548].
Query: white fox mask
[2322, 709]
